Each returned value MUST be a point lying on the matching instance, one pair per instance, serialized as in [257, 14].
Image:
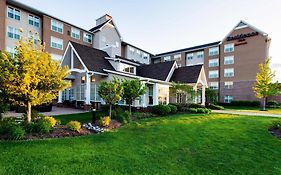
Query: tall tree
[31, 77]
[133, 89]
[111, 92]
[264, 86]
[211, 96]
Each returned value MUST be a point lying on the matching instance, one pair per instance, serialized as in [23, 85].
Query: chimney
[103, 19]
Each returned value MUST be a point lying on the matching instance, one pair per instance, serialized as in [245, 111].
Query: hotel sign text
[242, 37]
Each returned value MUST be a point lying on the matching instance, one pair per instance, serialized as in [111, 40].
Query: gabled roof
[189, 49]
[99, 26]
[159, 71]
[187, 74]
[94, 59]
[127, 60]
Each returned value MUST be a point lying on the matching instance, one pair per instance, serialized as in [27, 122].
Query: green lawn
[180, 144]
[254, 109]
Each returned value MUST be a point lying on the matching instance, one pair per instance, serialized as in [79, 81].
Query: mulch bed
[275, 132]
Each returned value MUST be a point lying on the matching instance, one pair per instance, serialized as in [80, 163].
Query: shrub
[43, 126]
[29, 127]
[34, 115]
[242, 103]
[273, 103]
[192, 110]
[121, 116]
[3, 107]
[276, 124]
[6, 124]
[161, 109]
[105, 121]
[17, 133]
[141, 115]
[215, 107]
[173, 108]
[74, 126]
[194, 105]
[51, 120]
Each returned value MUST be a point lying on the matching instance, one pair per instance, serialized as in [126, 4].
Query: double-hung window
[229, 60]
[213, 51]
[75, 33]
[214, 85]
[13, 13]
[228, 84]
[167, 58]
[189, 56]
[228, 99]
[200, 54]
[56, 26]
[56, 43]
[34, 21]
[229, 72]
[13, 33]
[229, 47]
[214, 62]
[87, 38]
[213, 74]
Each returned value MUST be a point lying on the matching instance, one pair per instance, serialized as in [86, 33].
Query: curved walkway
[246, 113]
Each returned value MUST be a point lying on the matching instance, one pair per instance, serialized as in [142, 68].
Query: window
[228, 85]
[213, 51]
[56, 43]
[179, 65]
[200, 55]
[167, 58]
[214, 85]
[13, 33]
[228, 99]
[83, 79]
[229, 48]
[13, 13]
[150, 95]
[213, 74]
[132, 50]
[87, 38]
[56, 26]
[229, 72]
[177, 57]
[179, 97]
[33, 37]
[145, 56]
[75, 33]
[213, 62]
[138, 52]
[127, 68]
[11, 51]
[56, 57]
[229, 60]
[189, 56]
[34, 21]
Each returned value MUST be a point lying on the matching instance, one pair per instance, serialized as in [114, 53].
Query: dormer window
[127, 68]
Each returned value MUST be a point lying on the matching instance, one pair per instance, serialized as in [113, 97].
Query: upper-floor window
[138, 52]
[200, 54]
[88, 38]
[189, 56]
[228, 84]
[56, 26]
[33, 36]
[179, 65]
[229, 60]
[13, 13]
[145, 56]
[213, 62]
[229, 47]
[167, 58]
[229, 72]
[127, 68]
[75, 33]
[56, 43]
[214, 85]
[34, 21]
[213, 51]
[11, 51]
[177, 57]
[213, 74]
[132, 50]
[13, 33]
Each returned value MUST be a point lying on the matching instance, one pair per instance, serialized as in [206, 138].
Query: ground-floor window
[94, 95]
[150, 95]
[163, 94]
[228, 99]
[179, 98]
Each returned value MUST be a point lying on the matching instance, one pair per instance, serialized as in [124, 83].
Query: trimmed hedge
[242, 103]
[174, 109]
[161, 109]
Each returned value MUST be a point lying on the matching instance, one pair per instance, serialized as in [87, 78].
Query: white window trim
[225, 63]
[226, 46]
[84, 38]
[217, 72]
[73, 31]
[58, 39]
[57, 25]
[214, 53]
[225, 72]
[212, 61]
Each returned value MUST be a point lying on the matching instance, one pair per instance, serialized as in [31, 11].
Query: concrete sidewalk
[246, 113]
[55, 111]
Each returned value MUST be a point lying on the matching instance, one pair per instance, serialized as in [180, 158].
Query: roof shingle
[187, 74]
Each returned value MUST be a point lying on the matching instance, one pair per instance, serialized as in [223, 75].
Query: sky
[165, 25]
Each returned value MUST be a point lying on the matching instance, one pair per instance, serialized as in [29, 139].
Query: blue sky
[163, 25]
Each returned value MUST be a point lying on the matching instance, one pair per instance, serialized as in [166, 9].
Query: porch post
[155, 94]
[143, 97]
[195, 90]
[203, 95]
[60, 97]
[168, 95]
[88, 89]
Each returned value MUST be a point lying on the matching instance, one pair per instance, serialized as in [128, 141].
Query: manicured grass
[254, 109]
[83, 117]
[179, 144]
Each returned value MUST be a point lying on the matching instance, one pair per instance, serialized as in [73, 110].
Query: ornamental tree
[133, 89]
[111, 92]
[31, 77]
[263, 86]
[185, 89]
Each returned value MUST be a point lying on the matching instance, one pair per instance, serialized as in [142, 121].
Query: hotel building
[230, 65]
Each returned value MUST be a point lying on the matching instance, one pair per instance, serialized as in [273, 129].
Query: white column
[168, 95]
[155, 94]
[143, 97]
[88, 90]
[60, 97]
[195, 90]
[203, 95]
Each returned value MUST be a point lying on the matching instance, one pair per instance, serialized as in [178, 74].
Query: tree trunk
[263, 104]
[130, 108]
[28, 114]
[110, 108]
